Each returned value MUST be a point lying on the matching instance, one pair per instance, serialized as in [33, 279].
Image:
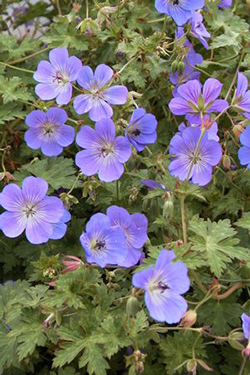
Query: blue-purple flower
[193, 102]
[97, 99]
[192, 161]
[241, 99]
[198, 29]
[141, 129]
[57, 76]
[30, 210]
[244, 151]
[103, 244]
[179, 10]
[104, 152]
[48, 131]
[135, 230]
[163, 285]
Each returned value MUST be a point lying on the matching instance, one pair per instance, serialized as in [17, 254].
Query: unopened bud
[132, 306]
[174, 66]
[246, 352]
[204, 365]
[189, 319]
[237, 130]
[234, 338]
[226, 161]
[181, 67]
[168, 208]
[191, 365]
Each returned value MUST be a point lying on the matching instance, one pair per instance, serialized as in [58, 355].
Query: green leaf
[222, 316]
[93, 358]
[244, 221]
[13, 89]
[215, 242]
[9, 112]
[58, 172]
[32, 335]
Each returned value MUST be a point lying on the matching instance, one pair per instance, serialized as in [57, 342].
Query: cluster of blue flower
[117, 238]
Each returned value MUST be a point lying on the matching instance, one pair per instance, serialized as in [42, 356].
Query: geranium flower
[190, 101]
[241, 97]
[198, 29]
[246, 330]
[163, 284]
[141, 129]
[104, 152]
[56, 77]
[97, 98]
[135, 230]
[103, 244]
[179, 10]
[48, 131]
[30, 210]
[183, 146]
[244, 152]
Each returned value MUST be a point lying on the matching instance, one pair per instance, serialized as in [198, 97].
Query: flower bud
[174, 66]
[189, 319]
[168, 208]
[191, 365]
[132, 306]
[226, 161]
[246, 352]
[237, 130]
[234, 338]
[181, 67]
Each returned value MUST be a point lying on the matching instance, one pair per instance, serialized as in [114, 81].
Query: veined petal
[87, 137]
[245, 137]
[122, 149]
[211, 90]
[111, 170]
[74, 66]
[56, 116]
[51, 148]
[65, 135]
[190, 91]
[100, 110]
[59, 58]
[33, 138]
[242, 85]
[36, 119]
[83, 103]
[86, 78]
[50, 209]
[34, 189]
[65, 94]
[45, 72]
[141, 279]
[103, 75]
[115, 95]
[89, 163]
[11, 198]
[12, 223]
[38, 231]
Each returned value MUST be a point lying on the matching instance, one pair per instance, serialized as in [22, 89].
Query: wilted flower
[97, 100]
[198, 29]
[163, 285]
[241, 98]
[191, 102]
[187, 163]
[179, 10]
[56, 77]
[152, 184]
[104, 152]
[135, 230]
[48, 131]
[244, 152]
[103, 244]
[141, 129]
[31, 210]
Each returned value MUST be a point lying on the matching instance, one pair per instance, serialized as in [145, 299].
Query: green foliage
[216, 243]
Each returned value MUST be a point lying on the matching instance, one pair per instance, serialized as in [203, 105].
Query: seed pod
[237, 130]
[234, 338]
[168, 209]
[174, 66]
[132, 306]
[181, 67]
